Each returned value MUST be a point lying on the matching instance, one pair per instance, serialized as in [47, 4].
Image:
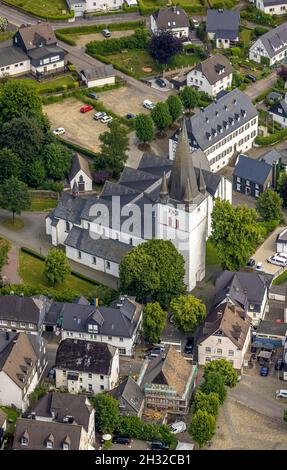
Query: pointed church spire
[183, 168]
[164, 189]
[187, 198]
[201, 182]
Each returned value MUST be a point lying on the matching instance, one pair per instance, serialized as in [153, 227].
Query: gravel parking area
[268, 248]
[83, 39]
[124, 100]
[80, 128]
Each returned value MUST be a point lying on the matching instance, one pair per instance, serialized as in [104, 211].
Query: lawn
[211, 254]
[5, 36]
[18, 224]
[134, 60]
[31, 271]
[54, 84]
[43, 8]
[43, 204]
[12, 415]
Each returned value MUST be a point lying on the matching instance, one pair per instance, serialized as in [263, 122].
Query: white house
[172, 19]
[80, 176]
[23, 314]
[228, 125]
[87, 366]
[281, 242]
[278, 111]
[271, 46]
[98, 76]
[226, 334]
[168, 200]
[272, 7]
[212, 75]
[90, 6]
[222, 26]
[22, 363]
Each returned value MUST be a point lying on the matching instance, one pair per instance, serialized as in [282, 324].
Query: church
[163, 199]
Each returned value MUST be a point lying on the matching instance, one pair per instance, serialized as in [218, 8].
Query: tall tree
[174, 104]
[10, 164]
[206, 402]
[57, 267]
[214, 383]
[202, 427]
[154, 320]
[144, 128]
[164, 46]
[269, 205]
[153, 269]
[57, 160]
[14, 196]
[235, 234]
[189, 98]
[107, 413]
[114, 147]
[19, 98]
[161, 116]
[225, 369]
[35, 173]
[188, 312]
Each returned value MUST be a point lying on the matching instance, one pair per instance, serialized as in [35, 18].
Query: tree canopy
[164, 46]
[161, 116]
[188, 312]
[114, 146]
[175, 106]
[224, 368]
[19, 98]
[144, 128]
[57, 267]
[269, 205]
[206, 402]
[214, 383]
[202, 427]
[106, 414]
[154, 320]
[10, 164]
[14, 196]
[189, 98]
[58, 160]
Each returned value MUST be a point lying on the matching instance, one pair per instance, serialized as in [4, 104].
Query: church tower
[183, 210]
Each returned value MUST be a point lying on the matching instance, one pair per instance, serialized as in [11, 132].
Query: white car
[259, 266]
[177, 427]
[148, 104]
[106, 119]
[195, 23]
[99, 115]
[59, 131]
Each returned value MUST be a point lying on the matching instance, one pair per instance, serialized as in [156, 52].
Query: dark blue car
[264, 371]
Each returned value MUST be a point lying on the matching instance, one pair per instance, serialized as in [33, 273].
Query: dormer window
[50, 442]
[93, 328]
[168, 24]
[66, 443]
[25, 438]
[243, 112]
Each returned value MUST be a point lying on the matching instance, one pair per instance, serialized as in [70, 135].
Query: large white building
[161, 199]
[271, 46]
[226, 126]
[272, 7]
[90, 6]
[211, 75]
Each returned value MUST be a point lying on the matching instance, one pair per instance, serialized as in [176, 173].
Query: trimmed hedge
[271, 139]
[89, 29]
[32, 12]
[138, 40]
[78, 148]
[4, 248]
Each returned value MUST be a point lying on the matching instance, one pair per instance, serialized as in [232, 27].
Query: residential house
[272, 7]
[252, 177]
[66, 408]
[278, 293]
[211, 75]
[168, 382]
[227, 126]
[86, 366]
[22, 363]
[281, 242]
[80, 176]
[20, 313]
[171, 201]
[226, 334]
[222, 26]
[271, 47]
[98, 76]
[13, 62]
[278, 111]
[172, 19]
[270, 333]
[130, 397]
[79, 7]
[248, 290]
[118, 325]
[33, 434]
[3, 427]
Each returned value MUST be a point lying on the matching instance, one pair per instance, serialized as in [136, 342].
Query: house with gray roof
[130, 398]
[281, 241]
[80, 176]
[226, 126]
[271, 47]
[80, 7]
[272, 7]
[278, 111]
[222, 26]
[252, 177]
[98, 76]
[86, 366]
[23, 314]
[212, 75]
[172, 19]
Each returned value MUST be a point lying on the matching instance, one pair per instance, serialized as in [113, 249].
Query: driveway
[267, 249]
[260, 86]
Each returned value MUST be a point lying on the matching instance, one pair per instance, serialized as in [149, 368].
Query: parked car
[195, 23]
[148, 104]
[281, 394]
[277, 260]
[52, 374]
[264, 371]
[106, 33]
[86, 108]
[189, 346]
[160, 82]
[59, 131]
[93, 95]
[251, 262]
[121, 440]
[157, 445]
[131, 116]
[153, 352]
[99, 115]
[106, 119]
[259, 266]
[279, 364]
[250, 77]
[177, 427]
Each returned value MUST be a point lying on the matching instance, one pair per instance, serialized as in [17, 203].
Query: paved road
[260, 86]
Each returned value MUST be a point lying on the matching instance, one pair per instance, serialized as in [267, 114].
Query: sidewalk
[10, 269]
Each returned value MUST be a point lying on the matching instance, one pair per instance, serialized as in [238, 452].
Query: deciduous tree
[14, 196]
[189, 98]
[144, 128]
[19, 98]
[188, 312]
[114, 147]
[206, 402]
[107, 413]
[10, 164]
[164, 46]
[161, 116]
[57, 160]
[174, 104]
[214, 383]
[269, 205]
[202, 427]
[56, 267]
[224, 368]
[154, 320]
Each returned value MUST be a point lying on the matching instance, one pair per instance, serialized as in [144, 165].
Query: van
[281, 393]
[148, 104]
[278, 260]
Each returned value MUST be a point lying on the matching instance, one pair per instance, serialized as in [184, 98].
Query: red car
[86, 108]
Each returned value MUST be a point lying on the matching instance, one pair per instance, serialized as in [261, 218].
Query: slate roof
[282, 237]
[271, 157]
[171, 18]
[12, 55]
[231, 320]
[253, 170]
[282, 105]
[219, 119]
[215, 68]
[33, 34]
[69, 208]
[42, 52]
[130, 392]
[96, 73]
[20, 308]
[79, 163]
[272, 328]
[271, 3]
[225, 24]
[85, 356]
[274, 40]
[38, 432]
[62, 405]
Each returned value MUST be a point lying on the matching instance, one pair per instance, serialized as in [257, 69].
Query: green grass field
[5, 36]
[43, 204]
[54, 83]
[12, 415]
[42, 8]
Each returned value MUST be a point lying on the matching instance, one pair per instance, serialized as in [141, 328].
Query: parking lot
[268, 248]
[80, 128]
[124, 101]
